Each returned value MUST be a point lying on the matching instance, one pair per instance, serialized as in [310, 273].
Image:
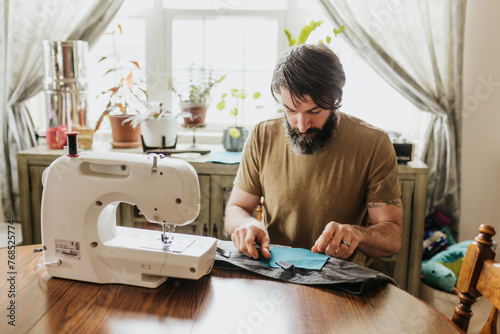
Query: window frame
[159, 41]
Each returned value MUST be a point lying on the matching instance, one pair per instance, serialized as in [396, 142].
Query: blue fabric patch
[299, 257]
[225, 157]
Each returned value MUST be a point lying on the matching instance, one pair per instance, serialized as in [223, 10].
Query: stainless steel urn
[65, 86]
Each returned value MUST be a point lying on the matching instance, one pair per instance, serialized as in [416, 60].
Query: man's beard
[314, 139]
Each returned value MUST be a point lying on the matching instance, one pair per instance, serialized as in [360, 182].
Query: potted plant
[159, 127]
[234, 137]
[126, 98]
[194, 97]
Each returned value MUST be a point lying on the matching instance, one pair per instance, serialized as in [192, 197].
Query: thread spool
[72, 139]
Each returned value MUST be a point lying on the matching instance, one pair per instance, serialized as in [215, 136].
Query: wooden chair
[479, 276]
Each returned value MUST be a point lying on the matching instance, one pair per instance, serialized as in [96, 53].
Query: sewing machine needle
[164, 235]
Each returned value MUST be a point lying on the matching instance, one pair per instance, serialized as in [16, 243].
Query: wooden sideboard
[216, 181]
[405, 267]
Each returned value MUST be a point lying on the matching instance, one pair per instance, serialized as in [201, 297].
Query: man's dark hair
[313, 70]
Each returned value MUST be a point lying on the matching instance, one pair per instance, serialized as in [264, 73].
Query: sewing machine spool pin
[155, 157]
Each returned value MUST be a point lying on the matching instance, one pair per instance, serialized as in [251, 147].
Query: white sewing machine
[79, 205]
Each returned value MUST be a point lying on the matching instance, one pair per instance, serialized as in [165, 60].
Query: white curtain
[417, 47]
[24, 24]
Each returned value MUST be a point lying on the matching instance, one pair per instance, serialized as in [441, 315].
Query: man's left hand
[337, 240]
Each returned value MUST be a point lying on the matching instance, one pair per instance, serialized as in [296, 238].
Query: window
[242, 39]
[231, 46]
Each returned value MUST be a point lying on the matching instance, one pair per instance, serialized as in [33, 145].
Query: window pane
[187, 43]
[225, 41]
[230, 43]
[244, 48]
[260, 82]
[261, 50]
[130, 46]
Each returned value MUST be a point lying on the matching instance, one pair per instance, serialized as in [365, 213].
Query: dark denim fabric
[340, 274]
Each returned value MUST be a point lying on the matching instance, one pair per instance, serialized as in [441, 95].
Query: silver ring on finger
[345, 243]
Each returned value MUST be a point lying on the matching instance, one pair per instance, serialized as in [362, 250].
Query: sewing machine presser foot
[165, 239]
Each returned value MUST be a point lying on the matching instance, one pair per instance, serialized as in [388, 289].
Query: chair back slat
[479, 276]
[489, 274]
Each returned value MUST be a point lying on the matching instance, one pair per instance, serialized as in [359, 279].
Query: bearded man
[327, 181]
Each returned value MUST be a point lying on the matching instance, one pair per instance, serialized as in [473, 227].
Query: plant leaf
[144, 91]
[135, 63]
[105, 57]
[256, 95]
[328, 39]
[120, 27]
[110, 70]
[99, 121]
[221, 78]
[221, 105]
[234, 112]
[113, 90]
[291, 41]
[339, 30]
[306, 31]
[102, 93]
[129, 79]
[139, 99]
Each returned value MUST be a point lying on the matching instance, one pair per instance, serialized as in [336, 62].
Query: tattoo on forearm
[395, 202]
[373, 205]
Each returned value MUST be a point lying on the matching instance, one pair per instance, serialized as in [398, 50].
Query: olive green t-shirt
[303, 193]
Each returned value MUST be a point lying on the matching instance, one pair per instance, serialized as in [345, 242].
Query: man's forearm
[381, 239]
[237, 217]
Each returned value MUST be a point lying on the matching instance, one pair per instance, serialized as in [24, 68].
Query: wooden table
[226, 301]
[216, 182]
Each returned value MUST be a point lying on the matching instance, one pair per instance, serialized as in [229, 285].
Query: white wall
[480, 201]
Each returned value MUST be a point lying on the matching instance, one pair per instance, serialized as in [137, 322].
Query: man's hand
[381, 237]
[244, 229]
[245, 237]
[337, 240]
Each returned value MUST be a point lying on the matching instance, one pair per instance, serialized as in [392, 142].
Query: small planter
[160, 132]
[198, 112]
[232, 143]
[124, 135]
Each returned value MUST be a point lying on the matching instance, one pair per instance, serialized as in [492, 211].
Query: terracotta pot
[198, 112]
[124, 135]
